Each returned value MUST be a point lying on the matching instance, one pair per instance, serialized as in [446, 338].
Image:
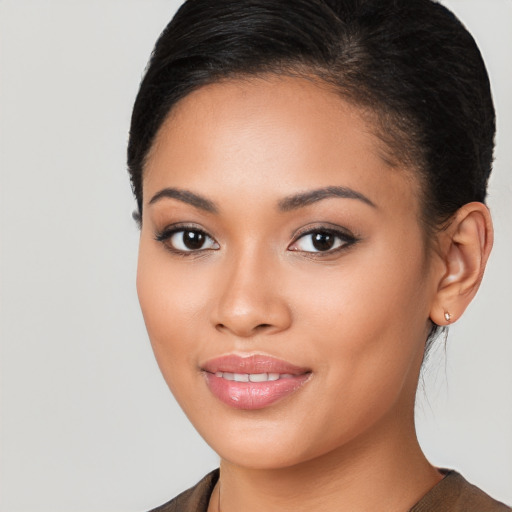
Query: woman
[311, 178]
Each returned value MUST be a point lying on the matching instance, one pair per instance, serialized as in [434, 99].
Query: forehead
[273, 132]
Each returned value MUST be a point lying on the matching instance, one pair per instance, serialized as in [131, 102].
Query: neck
[384, 470]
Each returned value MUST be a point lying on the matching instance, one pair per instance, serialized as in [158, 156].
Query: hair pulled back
[409, 62]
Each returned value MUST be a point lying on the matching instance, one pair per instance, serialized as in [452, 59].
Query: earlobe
[465, 249]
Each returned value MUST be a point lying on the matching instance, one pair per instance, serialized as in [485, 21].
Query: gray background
[87, 423]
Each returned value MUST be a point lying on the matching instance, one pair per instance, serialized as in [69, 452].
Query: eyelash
[346, 239]
[165, 235]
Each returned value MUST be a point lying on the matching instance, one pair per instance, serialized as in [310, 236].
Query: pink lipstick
[252, 382]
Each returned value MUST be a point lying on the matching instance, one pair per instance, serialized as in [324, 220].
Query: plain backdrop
[87, 423]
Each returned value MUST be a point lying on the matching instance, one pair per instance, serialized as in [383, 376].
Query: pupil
[323, 241]
[193, 239]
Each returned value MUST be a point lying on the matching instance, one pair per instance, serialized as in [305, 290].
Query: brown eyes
[320, 241]
[187, 240]
[191, 240]
[183, 241]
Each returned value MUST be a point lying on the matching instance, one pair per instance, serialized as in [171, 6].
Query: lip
[253, 395]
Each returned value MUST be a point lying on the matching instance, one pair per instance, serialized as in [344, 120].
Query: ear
[464, 249]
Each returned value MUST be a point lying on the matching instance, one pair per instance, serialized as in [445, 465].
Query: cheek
[382, 287]
[368, 322]
[172, 303]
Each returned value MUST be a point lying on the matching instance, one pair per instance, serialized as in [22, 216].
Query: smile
[253, 382]
[253, 377]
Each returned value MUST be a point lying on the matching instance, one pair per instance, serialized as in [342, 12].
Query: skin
[357, 316]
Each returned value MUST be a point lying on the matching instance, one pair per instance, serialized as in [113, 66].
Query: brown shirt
[452, 494]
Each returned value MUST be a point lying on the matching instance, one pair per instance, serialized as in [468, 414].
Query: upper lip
[254, 363]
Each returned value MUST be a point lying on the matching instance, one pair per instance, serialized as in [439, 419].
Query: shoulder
[195, 499]
[455, 494]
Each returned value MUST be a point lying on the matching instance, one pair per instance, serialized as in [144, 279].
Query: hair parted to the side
[411, 63]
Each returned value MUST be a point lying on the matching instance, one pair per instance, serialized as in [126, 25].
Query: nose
[250, 299]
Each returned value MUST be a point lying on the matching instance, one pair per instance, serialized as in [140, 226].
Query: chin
[260, 455]
[255, 441]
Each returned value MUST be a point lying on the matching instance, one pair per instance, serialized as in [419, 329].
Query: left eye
[320, 241]
[188, 240]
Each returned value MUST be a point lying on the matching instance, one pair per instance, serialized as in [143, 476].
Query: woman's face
[278, 245]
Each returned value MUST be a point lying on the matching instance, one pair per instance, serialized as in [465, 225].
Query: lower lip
[253, 395]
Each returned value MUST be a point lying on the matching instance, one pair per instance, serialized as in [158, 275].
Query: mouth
[253, 377]
[253, 382]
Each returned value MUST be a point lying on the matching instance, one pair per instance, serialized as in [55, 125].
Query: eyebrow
[306, 198]
[185, 196]
[289, 203]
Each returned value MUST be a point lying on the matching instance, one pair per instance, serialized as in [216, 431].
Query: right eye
[187, 240]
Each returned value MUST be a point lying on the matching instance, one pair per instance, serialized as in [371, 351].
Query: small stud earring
[447, 316]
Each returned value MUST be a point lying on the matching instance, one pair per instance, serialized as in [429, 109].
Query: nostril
[248, 332]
